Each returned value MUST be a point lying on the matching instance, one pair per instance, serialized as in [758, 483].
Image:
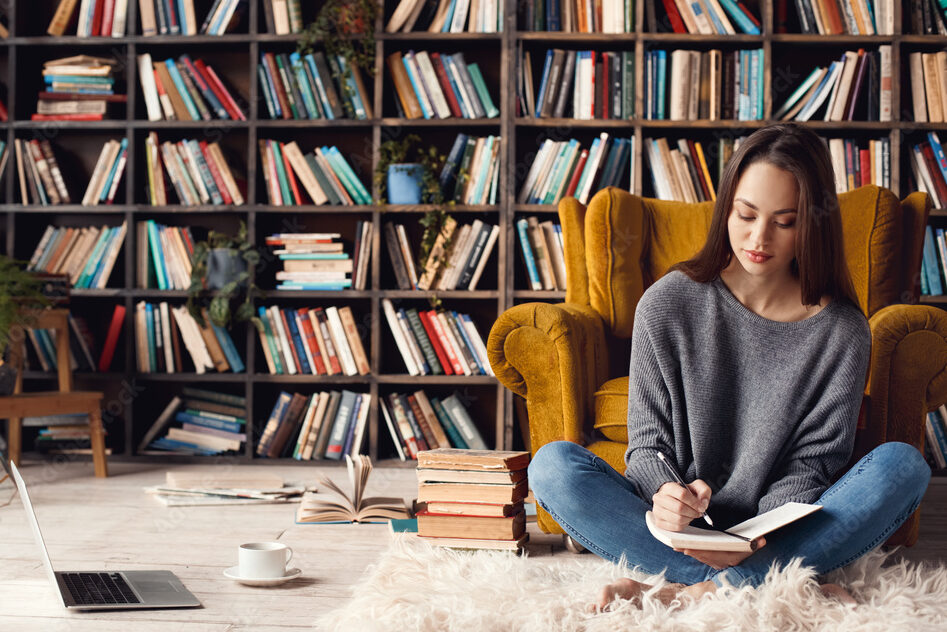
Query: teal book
[482, 91]
[456, 439]
[89, 269]
[324, 183]
[403, 525]
[562, 171]
[114, 242]
[113, 169]
[182, 89]
[150, 333]
[230, 351]
[157, 254]
[464, 423]
[521, 230]
[285, 193]
[485, 168]
[266, 338]
[309, 100]
[661, 82]
[342, 168]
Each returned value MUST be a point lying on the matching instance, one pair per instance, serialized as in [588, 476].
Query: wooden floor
[110, 524]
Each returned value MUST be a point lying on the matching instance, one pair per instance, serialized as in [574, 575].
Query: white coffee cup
[263, 560]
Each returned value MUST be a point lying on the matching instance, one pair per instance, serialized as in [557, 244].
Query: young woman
[748, 364]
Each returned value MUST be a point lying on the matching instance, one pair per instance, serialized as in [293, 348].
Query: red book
[864, 165]
[442, 335]
[3, 111]
[111, 339]
[931, 162]
[215, 86]
[704, 185]
[674, 16]
[445, 85]
[435, 342]
[270, 63]
[108, 10]
[309, 336]
[215, 173]
[71, 96]
[577, 173]
[66, 117]
[327, 338]
[750, 14]
[289, 339]
[591, 111]
[290, 175]
[96, 25]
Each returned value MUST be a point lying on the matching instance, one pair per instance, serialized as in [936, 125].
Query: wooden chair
[63, 401]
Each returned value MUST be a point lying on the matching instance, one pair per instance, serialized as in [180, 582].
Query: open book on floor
[707, 540]
[320, 509]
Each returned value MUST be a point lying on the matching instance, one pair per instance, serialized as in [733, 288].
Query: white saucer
[233, 573]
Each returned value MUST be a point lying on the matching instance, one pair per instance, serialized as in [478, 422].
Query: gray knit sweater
[761, 410]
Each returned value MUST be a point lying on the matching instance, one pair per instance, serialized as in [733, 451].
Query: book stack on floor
[313, 341]
[935, 429]
[164, 256]
[856, 166]
[323, 425]
[204, 488]
[929, 167]
[582, 84]
[78, 88]
[438, 85]
[562, 168]
[159, 331]
[455, 262]
[62, 434]
[417, 423]
[446, 16]
[209, 423]
[316, 261]
[298, 86]
[471, 173]
[433, 342]
[325, 174]
[543, 253]
[86, 254]
[185, 90]
[179, 17]
[197, 171]
[474, 498]
[680, 173]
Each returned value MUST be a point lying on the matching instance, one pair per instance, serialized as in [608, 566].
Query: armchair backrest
[622, 243]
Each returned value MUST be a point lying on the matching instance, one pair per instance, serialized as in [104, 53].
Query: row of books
[704, 84]
[471, 171]
[433, 342]
[563, 168]
[841, 85]
[315, 261]
[164, 255]
[160, 330]
[438, 85]
[447, 16]
[40, 179]
[455, 262]
[417, 423]
[578, 16]
[179, 17]
[680, 173]
[325, 174]
[185, 90]
[81, 344]
[935, 430]
[302, 87]
[928, 17]
[86, 254]
[205, 423]
[197, 171]
[283, 17]
[107, 174]
[855, 165]
[324, 425]
[543, 253]
[77, 88]
[601, 85]
[314, 341]
[710, 17]
[929, 168]
[846, 17]
[95, 17]
[928, 75]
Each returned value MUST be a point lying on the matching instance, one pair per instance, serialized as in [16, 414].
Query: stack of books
[80, 86]
[298, 86]
[543, 253]
[562, 169]
[436, 85]
[841, 86]
[179, 17]
[474, 498]
[313, 341]
[164, 256]
[852, 17]
[314, 261]
[680, 173]
[103, 185]
[197, 170]
[324, 425]
[710, 18]
[201, 488]
[856, 166]
[283, 17]
[325, 174]
[63, 434]
[159, 331]
[928, 89]
[446, 16]
[456, 260]
[935, 429]
[210, 423]
[929, 167]
[583, 84]
[185, 90]
[86, 254]
[105, 19]
[576, 16]
[435, 342]
[417, 422]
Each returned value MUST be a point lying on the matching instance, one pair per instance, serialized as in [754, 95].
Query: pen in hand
[677, 477]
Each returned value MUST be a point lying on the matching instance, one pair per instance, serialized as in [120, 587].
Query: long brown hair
[820, 262]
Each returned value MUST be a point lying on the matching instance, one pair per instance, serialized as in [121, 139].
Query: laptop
[108, 590]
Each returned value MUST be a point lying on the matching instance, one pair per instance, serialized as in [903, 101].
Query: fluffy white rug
[415, 586]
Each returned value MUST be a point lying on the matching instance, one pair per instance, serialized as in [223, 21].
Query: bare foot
[630, 589]
[834, 590]
[696, 591]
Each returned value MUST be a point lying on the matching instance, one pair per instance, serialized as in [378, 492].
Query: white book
[421, 89]
[453, 343]
[429, 76]
[166, 337]
[460, 239]
[193, 341]
[306, 424]
[407, 254]
[457, 266]
[837, 152]
[119, 18]
[110, 257]
[533, 172]
[553, 159]
[97, 175]
[404, 9]
[361, 424]
[927, 178]
[599, 154]
[714, 5]
[701, 18]
[845, 84]
[280, 17]
[487, 249]
[191, 18]
[314, 427]
[391, 428]
[680, 84]
[284, 340]
[479, 348]
[83, 27]
[398, 334]
[461, 9]
[341, 342]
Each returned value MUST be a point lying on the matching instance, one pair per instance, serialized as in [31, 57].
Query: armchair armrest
[908, 371]
[554, 355]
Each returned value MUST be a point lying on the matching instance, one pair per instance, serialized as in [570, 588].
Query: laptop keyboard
[99, 588]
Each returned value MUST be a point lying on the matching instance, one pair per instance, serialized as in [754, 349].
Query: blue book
[811, 100]
[182, 17]
[419, 90]
[113, 169]
[204, 170]
[717, 24]
[265, 89]
[450, 70]
[924, 289]
[270, 82]
[230, 351]
[182, 89]
[453, 159]
[662, 81]
[350, 431]
[174, 445]
[205, 90]
[547, 68]
[450, 17]
[157, 254]
[320, 87]
[150, 333]
[309, 99]
[938, 149]
[208, 422]
[930, 263]
[277, 415]
[552, 16]
[467, 341]
[521, 228]
[742, 22]
[297, 340]
[340, 425]
[351, 89]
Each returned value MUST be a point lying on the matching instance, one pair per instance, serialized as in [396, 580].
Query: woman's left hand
[721, 559]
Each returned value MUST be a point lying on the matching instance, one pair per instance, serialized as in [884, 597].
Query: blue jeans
[599, 508]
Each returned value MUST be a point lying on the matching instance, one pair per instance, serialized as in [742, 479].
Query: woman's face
[762, 222]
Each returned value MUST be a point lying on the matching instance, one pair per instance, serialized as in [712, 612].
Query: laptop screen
[31, 516]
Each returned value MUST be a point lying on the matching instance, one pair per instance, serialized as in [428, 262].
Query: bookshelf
[133, 399]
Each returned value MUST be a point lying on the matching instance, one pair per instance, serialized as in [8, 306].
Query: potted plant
[220, 272]
[20, 296]
[344, 28]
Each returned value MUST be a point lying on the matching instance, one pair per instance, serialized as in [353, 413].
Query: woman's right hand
[675, 506]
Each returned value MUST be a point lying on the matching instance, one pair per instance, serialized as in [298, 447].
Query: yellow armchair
[570, 360]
